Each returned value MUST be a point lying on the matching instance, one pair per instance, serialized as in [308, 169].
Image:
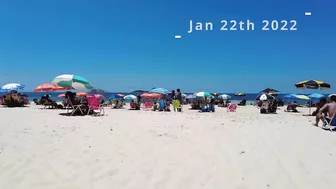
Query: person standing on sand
[330, 108]
[179, 98]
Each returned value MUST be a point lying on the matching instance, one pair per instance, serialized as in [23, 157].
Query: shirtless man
[330, 108]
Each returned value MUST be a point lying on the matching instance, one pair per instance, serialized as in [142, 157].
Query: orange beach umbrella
[150, 95]
[49, 87]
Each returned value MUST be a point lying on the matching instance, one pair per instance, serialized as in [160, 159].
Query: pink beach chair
[94, 104]
[232, 108]
[148, 105]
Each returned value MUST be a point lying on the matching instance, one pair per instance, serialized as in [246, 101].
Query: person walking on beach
[330, 108]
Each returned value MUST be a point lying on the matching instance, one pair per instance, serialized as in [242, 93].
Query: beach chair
[94, 104]
[331, 125]
[148, 105]
[74, 107]
[232, 108]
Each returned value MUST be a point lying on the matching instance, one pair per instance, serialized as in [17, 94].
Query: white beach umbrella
[12, 86]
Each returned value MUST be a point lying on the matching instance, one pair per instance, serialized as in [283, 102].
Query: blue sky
[128, 45]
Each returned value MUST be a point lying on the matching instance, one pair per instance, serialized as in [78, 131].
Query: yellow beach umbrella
[302, 97]
[312, 84]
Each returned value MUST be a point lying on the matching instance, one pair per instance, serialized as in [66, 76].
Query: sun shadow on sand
[69, 114]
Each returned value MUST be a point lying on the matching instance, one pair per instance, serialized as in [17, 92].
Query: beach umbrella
[159, 91]
[273, 94]
[72, 81]
[12, 87]
[81, 94]
[50, 87]
[116, 96]
[61, 96]
[203, 94]
[99, 96]
[189, 96]
[150, 95]
[302, 97]
[119, 94]
[130, 97]
[331, 95]
[264, 96]
[269, 90]
[315, 95]
[239, 94]
[184, 95]
[224, 96]
[312, 84]
[215, 94]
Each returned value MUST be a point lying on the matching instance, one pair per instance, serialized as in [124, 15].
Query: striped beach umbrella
[312, 84]
[203, 94]
[264, 96]
[12, 87]
[269, 90]
[72, 81]
[224, 96]
[50, 87]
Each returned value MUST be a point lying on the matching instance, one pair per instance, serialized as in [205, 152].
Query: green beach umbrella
[203, 94]
[72, 81]
[224, 96]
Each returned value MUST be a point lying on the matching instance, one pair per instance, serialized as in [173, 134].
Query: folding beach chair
[74, 107]
[148, 105]
[94, 104]
[331, 125]
[232, 108]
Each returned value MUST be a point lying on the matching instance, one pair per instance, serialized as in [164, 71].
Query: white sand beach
[41, 149]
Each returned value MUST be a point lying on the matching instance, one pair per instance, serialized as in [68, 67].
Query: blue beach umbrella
[116, 96]
[316, 95]
[159, 91]
[12, 87]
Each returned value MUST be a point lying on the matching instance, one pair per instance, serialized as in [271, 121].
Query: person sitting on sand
[155, 106]
[326, 112]
[221, 103]
[212, 105]
[319, 105]
[292, 107]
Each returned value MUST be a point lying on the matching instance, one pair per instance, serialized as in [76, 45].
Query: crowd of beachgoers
[86, 104]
